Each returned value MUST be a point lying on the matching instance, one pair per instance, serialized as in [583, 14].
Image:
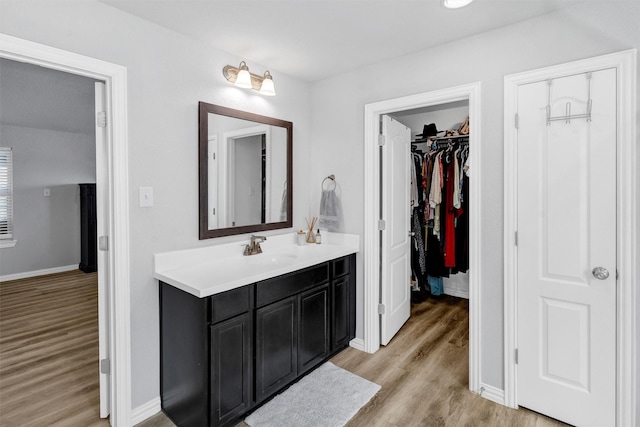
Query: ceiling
[42, 98]
[315, 39]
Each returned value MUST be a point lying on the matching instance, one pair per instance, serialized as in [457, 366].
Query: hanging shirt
[414, 185]
[456, 181]
[449, 220]
[435, 195]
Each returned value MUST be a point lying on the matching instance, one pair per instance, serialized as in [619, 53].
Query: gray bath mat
[328, 397]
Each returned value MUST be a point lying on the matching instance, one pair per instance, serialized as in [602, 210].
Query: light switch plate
[146, 197]
[47, 192]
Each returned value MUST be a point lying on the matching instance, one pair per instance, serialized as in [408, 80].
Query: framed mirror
[245, 172]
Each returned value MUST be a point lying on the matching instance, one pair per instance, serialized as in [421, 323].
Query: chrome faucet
[253, 248]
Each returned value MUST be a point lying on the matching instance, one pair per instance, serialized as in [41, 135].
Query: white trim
[145, 411]
[455, 292]
[115, 77]
[36, 273]
[627, 220]
[7, 243]
[492, 393]
[357, 343]
[371, 240]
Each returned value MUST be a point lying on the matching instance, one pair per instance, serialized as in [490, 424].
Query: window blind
[6, 193]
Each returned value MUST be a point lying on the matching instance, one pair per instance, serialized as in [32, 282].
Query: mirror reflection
[247, 174]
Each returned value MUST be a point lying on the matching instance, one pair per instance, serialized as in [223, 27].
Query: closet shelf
[441, 138]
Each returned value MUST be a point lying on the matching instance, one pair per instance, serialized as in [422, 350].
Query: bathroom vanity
[227, 348]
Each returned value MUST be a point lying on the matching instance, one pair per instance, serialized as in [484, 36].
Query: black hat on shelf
[427, 131]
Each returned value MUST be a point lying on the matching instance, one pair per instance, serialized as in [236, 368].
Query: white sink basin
[271, 259]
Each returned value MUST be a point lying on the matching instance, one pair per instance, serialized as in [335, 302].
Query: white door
[566, 332]
[395, 241]
[102, 191]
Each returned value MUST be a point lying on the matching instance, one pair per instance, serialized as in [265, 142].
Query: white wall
[338, 116]
[167, 75]
[47, 228]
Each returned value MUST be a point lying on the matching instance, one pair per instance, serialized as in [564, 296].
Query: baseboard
[145, 411]
[357, 343]
[456, 293]
[492, 393]
[36, 273]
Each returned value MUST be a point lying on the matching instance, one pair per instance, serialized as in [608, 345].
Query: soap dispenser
[318, 237]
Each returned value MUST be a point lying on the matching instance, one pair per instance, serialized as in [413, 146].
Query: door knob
[600, 273]
[411, 234]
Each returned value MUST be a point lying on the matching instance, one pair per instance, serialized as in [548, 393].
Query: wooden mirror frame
[204, 109]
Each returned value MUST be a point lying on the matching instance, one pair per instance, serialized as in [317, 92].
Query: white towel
[330, 212]
[283, 206]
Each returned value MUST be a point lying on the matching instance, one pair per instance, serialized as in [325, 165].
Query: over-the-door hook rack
[567, 116]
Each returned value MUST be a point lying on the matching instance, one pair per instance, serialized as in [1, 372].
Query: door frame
[627, 220]
[371, 234]
[117, 201]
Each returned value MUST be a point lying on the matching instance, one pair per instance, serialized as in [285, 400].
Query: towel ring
[332, 178]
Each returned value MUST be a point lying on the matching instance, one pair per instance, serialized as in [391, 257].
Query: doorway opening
[49, 123]
[116, 203]
[372, 253]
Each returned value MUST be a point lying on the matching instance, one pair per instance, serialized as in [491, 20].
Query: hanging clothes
[439, 213]
[440, 221]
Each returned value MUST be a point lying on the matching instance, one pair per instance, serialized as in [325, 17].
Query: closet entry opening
[386, 304]
[424, 203]
[439, 200]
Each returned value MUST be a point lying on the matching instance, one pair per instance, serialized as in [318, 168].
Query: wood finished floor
[49, 368]
[424, 375]
[49, 351]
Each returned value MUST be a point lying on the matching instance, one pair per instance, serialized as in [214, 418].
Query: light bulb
[455, 4]
[267, 88]
[244, 78]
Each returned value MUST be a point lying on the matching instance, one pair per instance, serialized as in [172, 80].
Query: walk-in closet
[440, 171]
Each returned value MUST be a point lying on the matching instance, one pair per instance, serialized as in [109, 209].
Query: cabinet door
[230, 369]
[276, 346]
[313, 332]
[340, 314]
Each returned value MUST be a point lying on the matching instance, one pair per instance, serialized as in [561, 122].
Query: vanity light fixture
[455, 4]
[241, 77]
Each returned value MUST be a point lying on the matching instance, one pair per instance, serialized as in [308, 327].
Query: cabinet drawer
[340, 267]
[280, 287]
[230, 303]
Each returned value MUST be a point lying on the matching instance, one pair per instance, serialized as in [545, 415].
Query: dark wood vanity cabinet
[224, 355]
[276, 350]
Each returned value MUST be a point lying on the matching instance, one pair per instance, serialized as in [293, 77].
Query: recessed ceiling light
[455, 4]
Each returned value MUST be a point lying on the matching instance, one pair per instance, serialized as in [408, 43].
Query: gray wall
[167, 75]
[47, 117]
[47, 228]
[580, 32]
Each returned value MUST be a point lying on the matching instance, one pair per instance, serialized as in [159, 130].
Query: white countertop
[208, 271]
